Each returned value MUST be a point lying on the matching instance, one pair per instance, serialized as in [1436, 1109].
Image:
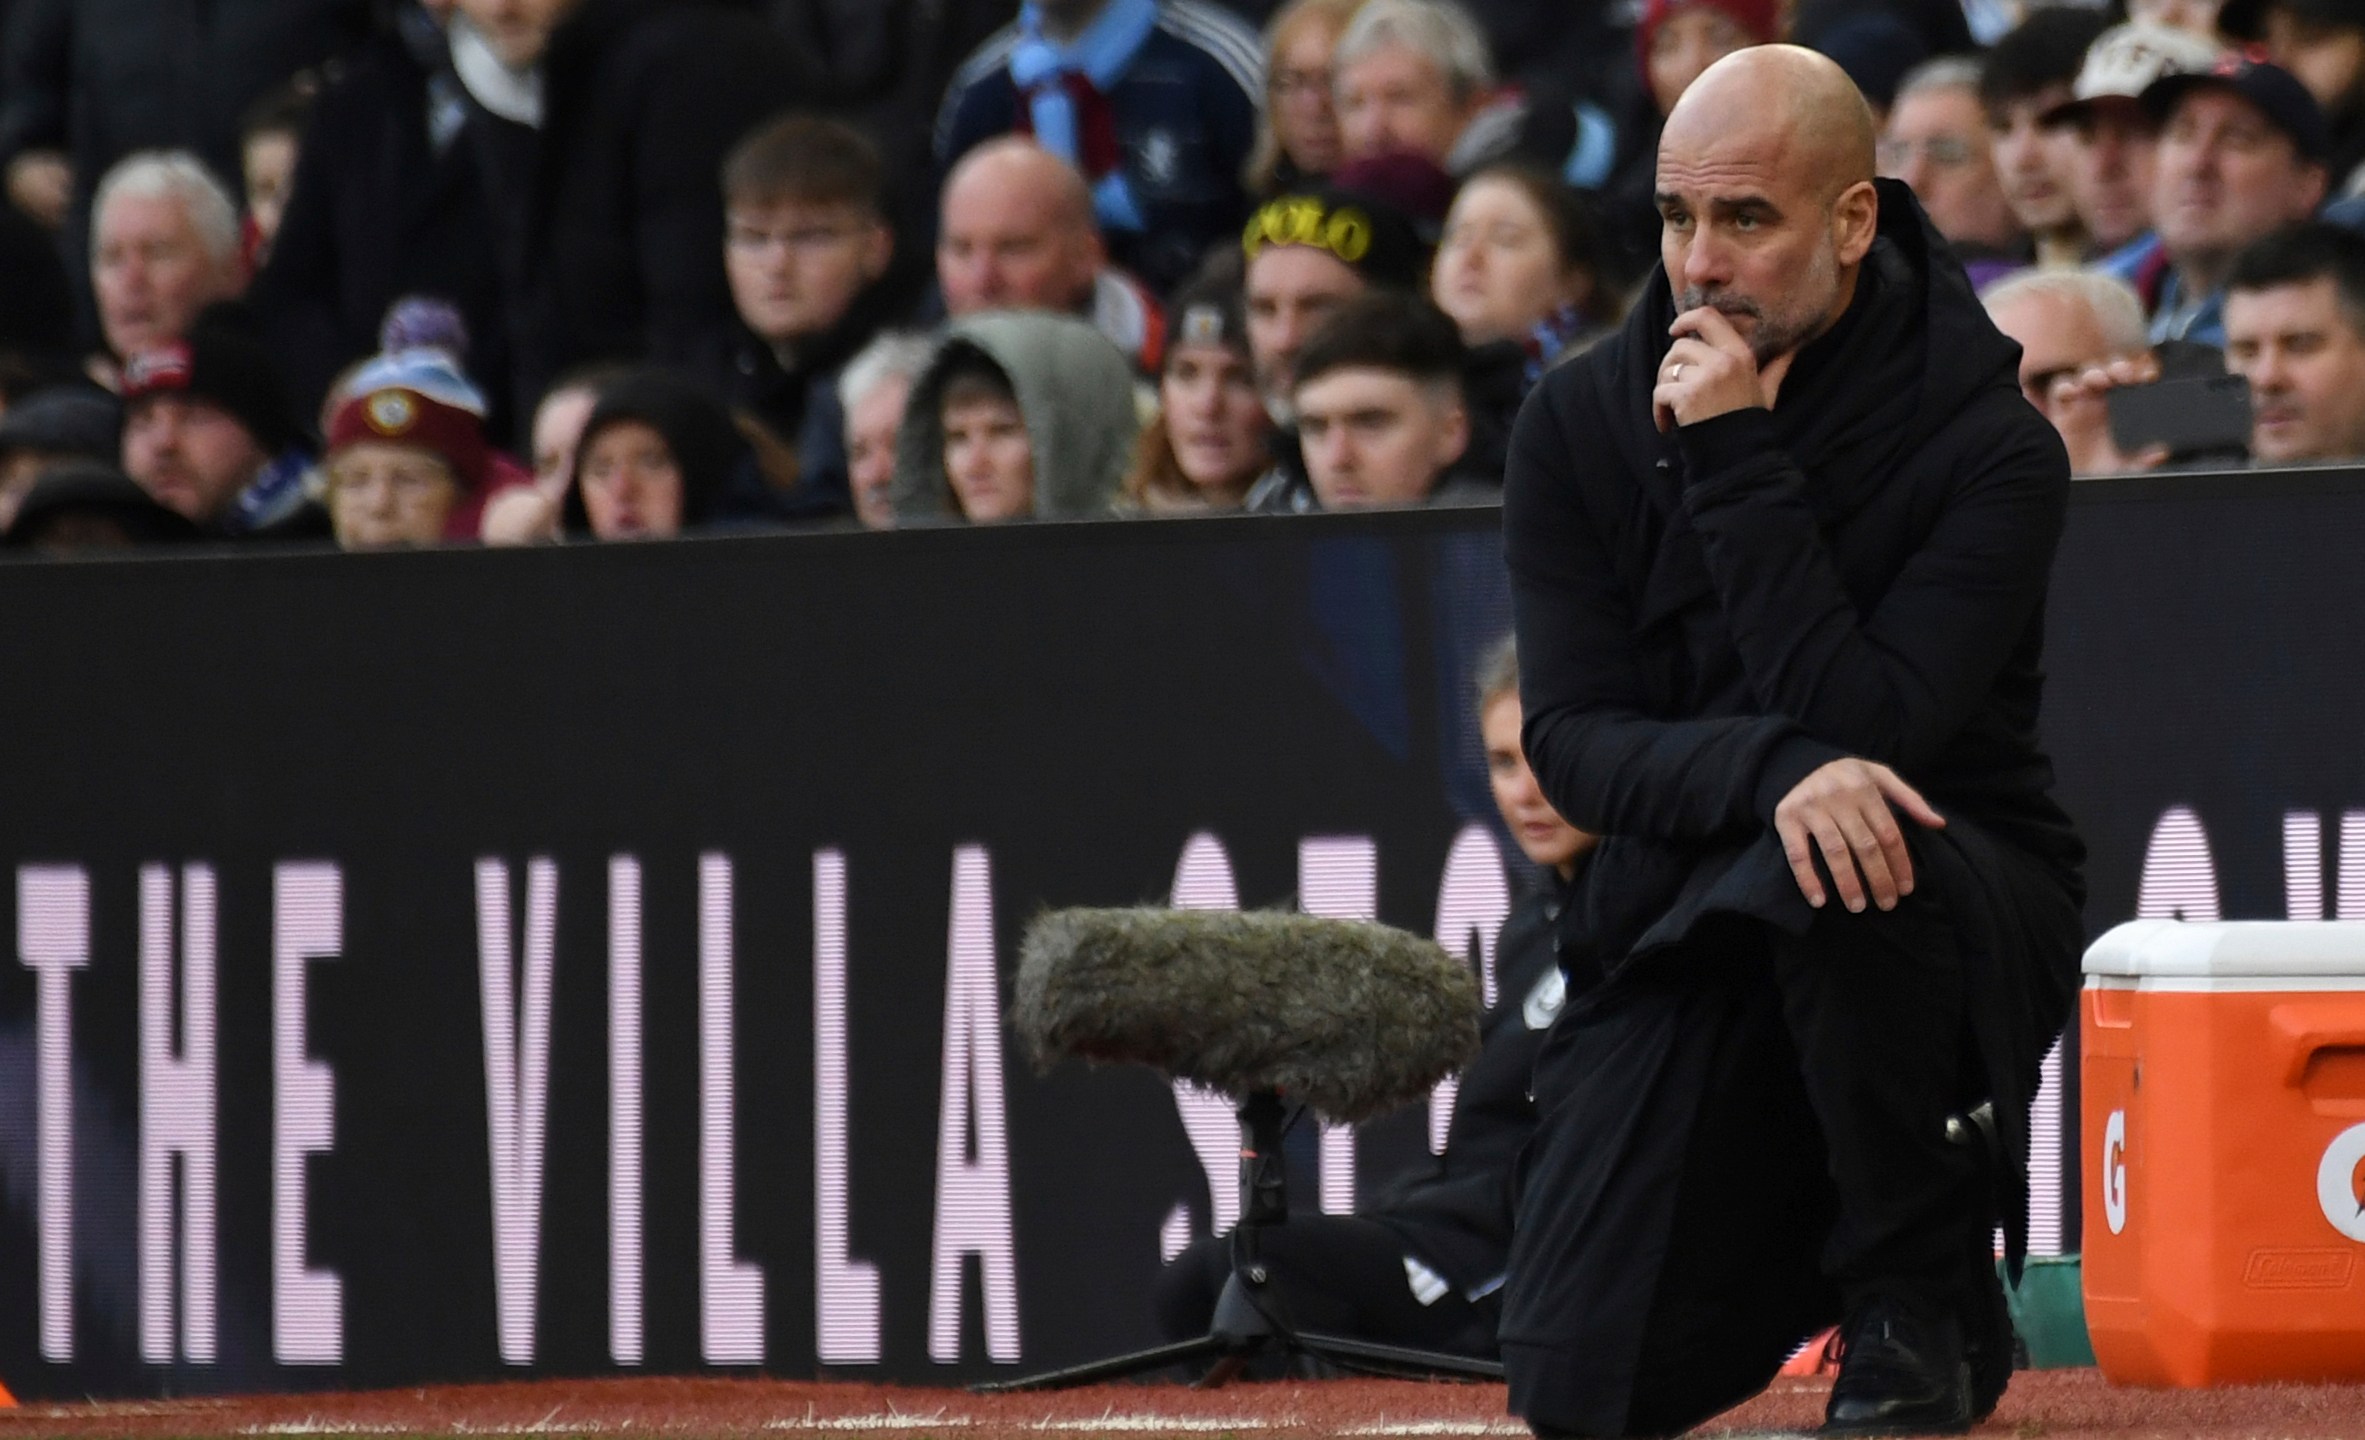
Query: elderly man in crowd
[1017, 233]
[1415, 77]
[873, 390]
[2081, 334]
[1937, 143]
[2115, 140]
[2241, 154]
[1155, 102]
[1779, 553]
[1379, 406]
[206, 431]
[164, 245]
[2295, 329]
[2028, 72]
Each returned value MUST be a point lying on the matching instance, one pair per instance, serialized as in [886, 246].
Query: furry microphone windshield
[1353, 1019]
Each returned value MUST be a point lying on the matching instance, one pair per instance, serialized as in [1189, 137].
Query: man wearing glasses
[1937, 142]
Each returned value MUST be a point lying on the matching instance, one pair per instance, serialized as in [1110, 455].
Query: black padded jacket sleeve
[1898, 683]
[1602, 759]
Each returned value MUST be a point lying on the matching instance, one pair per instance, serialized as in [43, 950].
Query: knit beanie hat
[1361, 230]
[1759, 18]
[223, 365]
[416, 398]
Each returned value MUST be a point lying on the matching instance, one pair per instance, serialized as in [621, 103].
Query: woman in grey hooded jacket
[1074, 392]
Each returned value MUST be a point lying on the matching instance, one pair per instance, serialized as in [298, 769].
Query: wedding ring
[1677, 372]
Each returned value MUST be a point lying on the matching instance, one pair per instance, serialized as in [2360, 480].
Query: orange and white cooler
[2223, 1149]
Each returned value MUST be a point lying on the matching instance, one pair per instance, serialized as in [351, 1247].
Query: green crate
[2049, 1311]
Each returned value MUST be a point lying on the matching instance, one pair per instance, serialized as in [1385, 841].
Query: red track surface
[2054, 1405]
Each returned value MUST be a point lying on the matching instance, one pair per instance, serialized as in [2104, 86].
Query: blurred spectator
[2295, 329]
[206, 431]
[1019, 415]
[884, 66]
[659, 458]
[1208, 444]
[1307, 255]
[2081, 335]
[872, 390]
[268, 144]
[2322, 42]
[1674, 41]
[1414, 77]
[1018, 234]
[1522, 274]
[602, 125]
[2193, 17]
[387, 201]
[1680, 38]
[86, 505]
[809, 253]
[164, 246]
[1297, 274]
[1298, 143]
[1153, 101]
[2114, 159]
[2241, 155]
[407, 461]
[1877, 49]
[2027, 74]
[1936, 142]
[532, 514]
[1380, 409]
[50, 426]
[90, 82]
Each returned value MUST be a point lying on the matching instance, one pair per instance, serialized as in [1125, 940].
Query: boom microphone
[1352, 1018]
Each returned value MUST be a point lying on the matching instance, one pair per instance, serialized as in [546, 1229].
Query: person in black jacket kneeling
[1422, 1263]
[1779, 553]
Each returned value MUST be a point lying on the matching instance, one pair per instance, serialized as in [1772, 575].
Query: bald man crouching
[1779, 555]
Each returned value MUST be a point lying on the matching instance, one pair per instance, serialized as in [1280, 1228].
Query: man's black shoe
[1901, 1372]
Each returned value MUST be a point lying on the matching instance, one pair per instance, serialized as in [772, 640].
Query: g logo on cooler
[2114, 1171]
[2337, 1184]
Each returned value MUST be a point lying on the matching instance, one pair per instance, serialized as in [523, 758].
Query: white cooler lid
[2299, 949]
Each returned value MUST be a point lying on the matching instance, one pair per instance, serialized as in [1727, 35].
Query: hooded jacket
[1074, 390]
[720, 485]
[1707, 616]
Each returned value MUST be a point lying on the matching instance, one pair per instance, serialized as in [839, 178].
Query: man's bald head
[1793, 102]
[1016, 231]
[1765, 194]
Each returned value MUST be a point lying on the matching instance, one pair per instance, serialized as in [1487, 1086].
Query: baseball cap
[2125, 61]
[2273, 90]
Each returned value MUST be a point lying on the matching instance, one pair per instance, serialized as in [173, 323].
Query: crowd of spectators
[401, 272]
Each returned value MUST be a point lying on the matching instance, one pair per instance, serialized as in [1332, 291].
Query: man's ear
[2313, 181]
[1855, 221]
[1453, 436]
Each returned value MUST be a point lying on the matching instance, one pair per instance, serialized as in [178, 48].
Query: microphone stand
[1250, 1319]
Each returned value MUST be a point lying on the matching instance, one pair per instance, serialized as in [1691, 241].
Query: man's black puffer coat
[1706, 617]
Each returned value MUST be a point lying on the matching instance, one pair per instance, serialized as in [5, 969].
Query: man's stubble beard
[1781, 331]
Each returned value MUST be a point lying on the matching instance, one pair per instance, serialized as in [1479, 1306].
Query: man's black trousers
[1739, 1136]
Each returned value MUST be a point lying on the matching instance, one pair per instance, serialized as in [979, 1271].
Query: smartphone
[2201, 415]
